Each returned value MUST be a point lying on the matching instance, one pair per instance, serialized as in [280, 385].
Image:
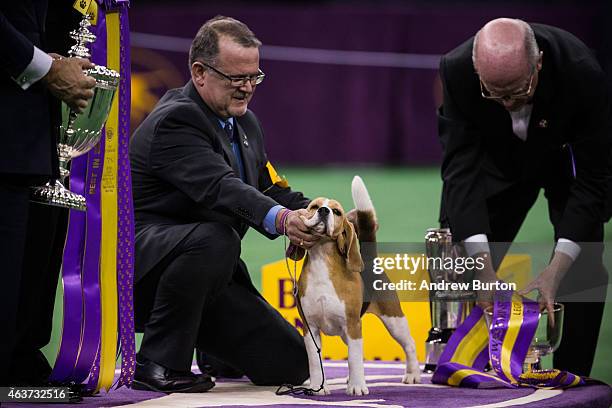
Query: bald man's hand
[67, 81]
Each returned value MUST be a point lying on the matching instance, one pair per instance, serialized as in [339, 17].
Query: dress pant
[201, 296]
[44, 246]
[583, 314]
[14, 197]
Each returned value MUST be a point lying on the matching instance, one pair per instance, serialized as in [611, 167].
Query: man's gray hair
[531, 45]
[205, 45]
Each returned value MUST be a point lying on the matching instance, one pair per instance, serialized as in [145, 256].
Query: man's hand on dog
[297, 232]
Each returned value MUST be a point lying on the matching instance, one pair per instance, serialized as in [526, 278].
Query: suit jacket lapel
[543, 97]
[249, 160]
[219, 133]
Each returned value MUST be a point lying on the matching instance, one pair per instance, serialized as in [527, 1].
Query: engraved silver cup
[80, 132]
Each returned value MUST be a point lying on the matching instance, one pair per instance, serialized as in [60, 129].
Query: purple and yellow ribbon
[98, 256]
[505, 346]
[468, 345]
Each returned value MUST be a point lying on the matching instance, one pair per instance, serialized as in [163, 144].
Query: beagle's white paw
[323, 391]
[412, 378]
[358, 388]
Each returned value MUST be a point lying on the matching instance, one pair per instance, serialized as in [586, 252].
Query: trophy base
[434, 347]
[58, 196]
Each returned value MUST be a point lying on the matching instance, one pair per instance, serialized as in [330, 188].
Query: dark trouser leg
[41, 265]
[243, 330]
[194, 272]
[13, 224]
[581, 324]
[583, 293]
[582, 320]
[507, 211]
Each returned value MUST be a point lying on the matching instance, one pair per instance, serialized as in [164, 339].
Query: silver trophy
[448, 308]
[79, 132]
[546, 340]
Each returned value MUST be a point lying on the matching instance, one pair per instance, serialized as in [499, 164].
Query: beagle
[330, 290]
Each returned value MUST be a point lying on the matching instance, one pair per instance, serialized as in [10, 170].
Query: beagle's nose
[323, 212]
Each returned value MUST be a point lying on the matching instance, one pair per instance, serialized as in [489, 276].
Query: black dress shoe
[151, 376]
[29, 368]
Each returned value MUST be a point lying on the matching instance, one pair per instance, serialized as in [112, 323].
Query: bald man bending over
[525, 109]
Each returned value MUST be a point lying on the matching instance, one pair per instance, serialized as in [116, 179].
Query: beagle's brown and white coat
[330, 290]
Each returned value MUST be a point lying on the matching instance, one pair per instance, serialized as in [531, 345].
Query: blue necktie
[229, 131]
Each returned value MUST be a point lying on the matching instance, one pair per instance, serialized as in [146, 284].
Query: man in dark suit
[201, 178]
[525, 108]
[32, 83]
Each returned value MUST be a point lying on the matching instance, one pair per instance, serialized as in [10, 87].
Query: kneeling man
[201, 178]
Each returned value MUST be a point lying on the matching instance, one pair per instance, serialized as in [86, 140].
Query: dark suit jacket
[184, 172]
[28, 118]
[482, 157]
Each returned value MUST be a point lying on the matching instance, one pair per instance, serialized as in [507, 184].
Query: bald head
[504, 52]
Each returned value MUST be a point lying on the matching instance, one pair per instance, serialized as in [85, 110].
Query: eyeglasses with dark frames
[239, 80]
[507, 98]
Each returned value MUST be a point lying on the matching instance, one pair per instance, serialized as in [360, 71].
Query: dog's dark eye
[314, 207]
[337, 212]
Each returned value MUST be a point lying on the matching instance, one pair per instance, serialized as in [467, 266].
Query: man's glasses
[507, 98]
[239, 80]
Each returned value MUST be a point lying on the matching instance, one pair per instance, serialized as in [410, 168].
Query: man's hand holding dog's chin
[297, 232]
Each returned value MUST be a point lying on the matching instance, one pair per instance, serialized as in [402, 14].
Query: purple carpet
[385, 391]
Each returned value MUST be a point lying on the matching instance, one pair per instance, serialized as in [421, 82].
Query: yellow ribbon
[514, 326]
[87, 7]
[472, 344]
[108, 261]
[276, 179]
[458, 376]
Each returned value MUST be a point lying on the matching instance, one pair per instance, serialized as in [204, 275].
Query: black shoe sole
[137, 385]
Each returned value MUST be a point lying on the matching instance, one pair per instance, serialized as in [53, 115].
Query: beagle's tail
[366, 215]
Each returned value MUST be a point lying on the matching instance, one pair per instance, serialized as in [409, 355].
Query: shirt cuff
[476, 244]
[568, 247]
[269, 222]
[38, 68]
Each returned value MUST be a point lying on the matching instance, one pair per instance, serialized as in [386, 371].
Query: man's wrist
[568, 247]
[281, 221]
[38, 68]
[487, 273]
[476, 243]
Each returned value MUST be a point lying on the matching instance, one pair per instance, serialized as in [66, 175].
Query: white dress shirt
[36, 69]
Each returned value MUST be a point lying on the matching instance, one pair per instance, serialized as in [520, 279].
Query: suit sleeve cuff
[36, 69]
[476, 244]
[568, 247]
[269, 222]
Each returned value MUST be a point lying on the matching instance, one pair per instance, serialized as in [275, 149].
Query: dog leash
[290, 388]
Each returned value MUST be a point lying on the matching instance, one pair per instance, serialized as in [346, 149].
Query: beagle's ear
[295, 253]
[348, 244]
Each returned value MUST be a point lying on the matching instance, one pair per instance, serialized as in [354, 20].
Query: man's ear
[197, 73]
[348, 244]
